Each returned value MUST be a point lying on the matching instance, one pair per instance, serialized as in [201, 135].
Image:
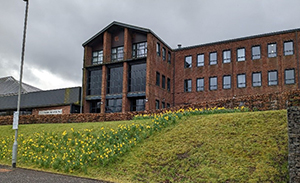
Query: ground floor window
[137, 104]
[113, 105]
[95, 106]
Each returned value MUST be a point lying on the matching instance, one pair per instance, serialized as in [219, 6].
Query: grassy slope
[238, 147]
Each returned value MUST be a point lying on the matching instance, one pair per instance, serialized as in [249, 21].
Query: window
[117, 54]
[163, 81]
[115, 80]
[97, 57]
[168, 105]
[213, 60]
[139, 50]
[163, 105]
[168, 84]
[226, 56]
[256, 79]
[188, 62]
[187, 85]
[241, 80]
[255, 52]
[200, 60]
[289, 76]
[137, 77]
[137, 104]
[241, 54]
[156, 104]
[94, 82]
[157, 79]
[226, 82]
[200, 84]
[158, 49]
[272, 78]
[95, 106]
[213, 83]
[169, 57]
[164, 53]
[113, 105]
[288, 48]
[272, 51]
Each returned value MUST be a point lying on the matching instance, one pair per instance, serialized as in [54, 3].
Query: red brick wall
[263, 65]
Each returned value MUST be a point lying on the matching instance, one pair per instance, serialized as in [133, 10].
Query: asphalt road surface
[20, 175]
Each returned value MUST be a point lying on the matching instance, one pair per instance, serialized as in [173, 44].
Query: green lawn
[233, 147]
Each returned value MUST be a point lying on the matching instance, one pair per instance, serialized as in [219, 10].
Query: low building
[10, 86]
[129, 68]
[60, 101]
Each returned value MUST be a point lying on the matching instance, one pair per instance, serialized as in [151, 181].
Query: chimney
[179, 46]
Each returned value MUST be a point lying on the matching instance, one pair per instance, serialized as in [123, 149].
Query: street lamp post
[17, 114]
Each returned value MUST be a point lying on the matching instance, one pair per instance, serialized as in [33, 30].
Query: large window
[158, 49]
[137, 104]
[289, 76]
[139, 50]
[188, 62]
[256, 52]
[168, 84]
[97, 57]
[226, 82]
[157, 78]
[272, 78]
[213, 59]
[200, 60]
[288, 48]
[256, 79]
[117, 54]
[200, 84]
[226, 56]
[241, 80]
[94, 82]
[114, 80]
[95, 106]
[213, 83]
[113, 105]
[137, 77]
[164, 53]
[187, 85]
[272, 50]
[241, 54]
[163, 81]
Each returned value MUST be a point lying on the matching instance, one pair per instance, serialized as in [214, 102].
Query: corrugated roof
[48, 98]
[10, 86]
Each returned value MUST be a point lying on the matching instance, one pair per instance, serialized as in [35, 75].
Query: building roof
[37, 99]
[10, 86]
[115, 23]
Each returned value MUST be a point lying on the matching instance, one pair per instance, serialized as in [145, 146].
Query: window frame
[273, 81]
[240, 58]
[239, 83]
[294, 78]
[210, 81]
[260, 82]
[223, 84]
[198, 87]
[99, 57]
[225, 60]
[213, 62]
[185, 61]
[119, 54]
[169, 57]
[158, 49]
[157, 78]
[252, 54]
[163, 81]
[187, 82]
[164, 53]
[156, 104]
[137, 48]
[270, 54]
[200, 64]
[288, 51]
[168, 84]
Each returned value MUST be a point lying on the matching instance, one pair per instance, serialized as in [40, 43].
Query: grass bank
[234, 147]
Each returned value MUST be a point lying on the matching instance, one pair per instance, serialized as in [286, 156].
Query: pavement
[21, 175]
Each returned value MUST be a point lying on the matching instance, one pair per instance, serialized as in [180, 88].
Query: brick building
[129, 68]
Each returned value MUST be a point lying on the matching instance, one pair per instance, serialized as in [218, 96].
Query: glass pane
[288, 48]
[227, 82]
[256, 79]
[272, 77]
[241, 81]
[226, 56]
[256, 52]
[200, 84]
[200, 60]
[213, 58]
[213, 83]
[272, 50]
[188, 62]
[241, 54]
[289, 77]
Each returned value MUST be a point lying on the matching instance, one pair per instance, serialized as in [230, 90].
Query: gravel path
[21, 175]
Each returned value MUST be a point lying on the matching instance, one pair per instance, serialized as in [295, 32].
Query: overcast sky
[57, 29]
